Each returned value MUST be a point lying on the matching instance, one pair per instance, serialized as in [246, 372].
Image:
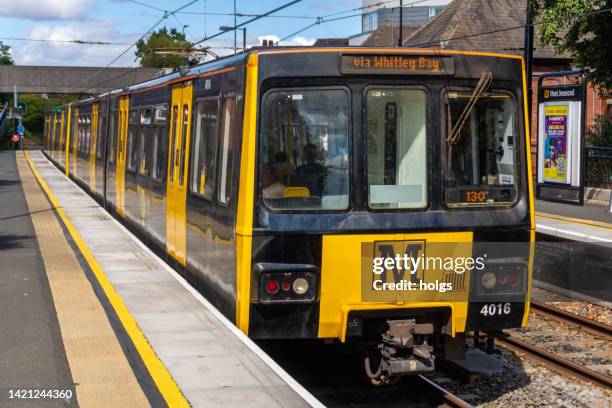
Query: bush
[600, 134]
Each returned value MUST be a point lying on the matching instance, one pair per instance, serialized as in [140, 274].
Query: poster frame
[558, 192]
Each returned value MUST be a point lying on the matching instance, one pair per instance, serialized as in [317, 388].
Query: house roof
[388, 34]
[464, 18]
[331, 42]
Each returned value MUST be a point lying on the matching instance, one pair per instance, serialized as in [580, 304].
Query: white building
[414, 12]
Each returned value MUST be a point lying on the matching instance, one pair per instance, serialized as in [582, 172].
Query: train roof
[239, 58]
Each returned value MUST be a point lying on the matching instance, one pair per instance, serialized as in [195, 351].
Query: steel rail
[449, 398]
[572, 319]
[554, 362]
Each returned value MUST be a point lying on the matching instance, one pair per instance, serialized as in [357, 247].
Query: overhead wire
[79, 42]
[157, 23]
[327, 18]
[437, 41]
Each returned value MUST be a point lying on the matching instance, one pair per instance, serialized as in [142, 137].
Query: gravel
[527, 384]
[584, 309]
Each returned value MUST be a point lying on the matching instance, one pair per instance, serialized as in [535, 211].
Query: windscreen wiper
[481, 87]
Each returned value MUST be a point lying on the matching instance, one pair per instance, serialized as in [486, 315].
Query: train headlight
[300, 286]
[488, 280]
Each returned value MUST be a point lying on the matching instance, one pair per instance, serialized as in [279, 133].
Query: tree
[145, 49]
[5, 55]
[574, 26]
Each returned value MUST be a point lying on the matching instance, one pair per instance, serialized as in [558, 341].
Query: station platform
[88, 308]
[590, 223]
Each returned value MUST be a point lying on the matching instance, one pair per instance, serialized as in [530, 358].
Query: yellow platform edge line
[160, 375]
[581, 221]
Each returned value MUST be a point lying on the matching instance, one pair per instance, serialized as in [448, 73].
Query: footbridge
[67, 80]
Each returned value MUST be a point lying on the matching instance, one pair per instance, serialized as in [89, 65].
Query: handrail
[3, 116]
[604, 148]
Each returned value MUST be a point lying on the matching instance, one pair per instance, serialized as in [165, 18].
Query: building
[380, 18]
[376, 14]
[476, 24]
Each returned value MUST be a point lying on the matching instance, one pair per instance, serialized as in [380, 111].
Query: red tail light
[272, 286]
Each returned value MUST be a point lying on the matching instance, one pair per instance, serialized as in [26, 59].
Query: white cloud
[46, 9]
[293, 41]
[48, 53]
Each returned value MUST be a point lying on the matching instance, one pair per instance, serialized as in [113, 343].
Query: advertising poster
[555, 142]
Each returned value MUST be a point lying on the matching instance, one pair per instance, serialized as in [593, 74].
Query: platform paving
[32, 354]
[589, 223]
[587, 212]
[212, 363]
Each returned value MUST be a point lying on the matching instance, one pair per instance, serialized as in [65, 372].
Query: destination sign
[397, 64]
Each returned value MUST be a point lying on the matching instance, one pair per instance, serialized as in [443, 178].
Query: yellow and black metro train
[381, 197]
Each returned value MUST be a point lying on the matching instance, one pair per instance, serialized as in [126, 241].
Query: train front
[392, 202]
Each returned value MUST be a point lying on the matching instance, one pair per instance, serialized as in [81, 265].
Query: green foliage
[568, 27]
[145, 49]
[5, 55]
[600, 134]
[34, 121]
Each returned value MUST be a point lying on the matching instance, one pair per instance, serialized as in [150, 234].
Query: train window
[146, 116]
[161, 113]
[132, 148]
[75, 132]
[396, 143]
[182, 158]
[146, 120]
[159, 142]
[480, 165]
[87, 135]
[101, 132]
[159, 153]
[143, 163]
[204, 148]
[227, 150]
[174, 121]
[303, 163]
[112, 131]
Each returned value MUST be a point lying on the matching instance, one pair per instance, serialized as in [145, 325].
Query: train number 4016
[495, 309]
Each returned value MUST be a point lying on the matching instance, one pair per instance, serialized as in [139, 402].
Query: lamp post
[226, 28]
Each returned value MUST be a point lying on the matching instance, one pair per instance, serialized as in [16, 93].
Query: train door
[92, 147]
[73, 138]
[178, 156]
[124, 107]
[53, 138]
[64, 134]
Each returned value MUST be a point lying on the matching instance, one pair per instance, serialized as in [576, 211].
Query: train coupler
[404, 350]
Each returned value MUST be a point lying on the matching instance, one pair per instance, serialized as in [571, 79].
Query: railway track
[334, 375]
[572, 319]
[554, 361]
[450, 400]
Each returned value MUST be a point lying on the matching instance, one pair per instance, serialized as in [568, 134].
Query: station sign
[396, 64]
[560, 93]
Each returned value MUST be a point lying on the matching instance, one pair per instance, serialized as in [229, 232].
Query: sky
[124, 21]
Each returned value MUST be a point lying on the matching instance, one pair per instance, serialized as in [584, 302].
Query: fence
[598, 167]
[3, 118]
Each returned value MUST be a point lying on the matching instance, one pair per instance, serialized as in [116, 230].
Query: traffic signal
[22, 108]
